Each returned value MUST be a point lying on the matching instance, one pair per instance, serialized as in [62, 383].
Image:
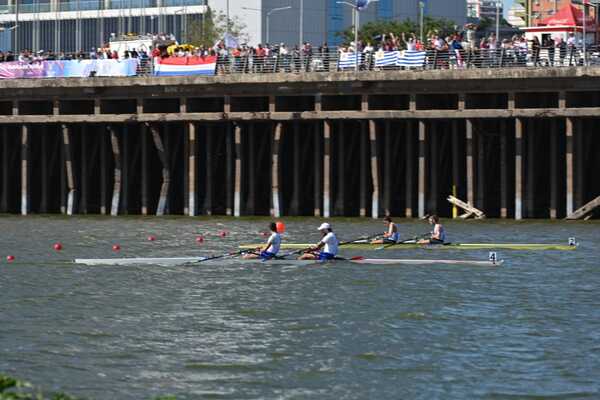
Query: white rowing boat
[356, 260]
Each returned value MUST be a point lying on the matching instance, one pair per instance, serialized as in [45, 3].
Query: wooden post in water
[469, 152]
[238, 172]
[166, 171]
[84, 170]
[192, 169]
[434, 162]
[297, 170]
[362, 150]
[387, 169]
[340, 201]
[374, 169]
[481, 169]
[124, 200]
[5, 169]
[275, 196]
[186, 167]
[229, 169]
[503, 169]
[144, 175]
[455, 164]
[208, 189]
[518, 168]
[63, 175]
[24, 170]
[569, 166]
[531, 184]
[103, 166]
[318, 162]
[422, 170]
[327, 169]
[116, 197]
[69, 169]
[251, 175]
[408, 135]
[553, 169]
[578, 158]
[44, 171]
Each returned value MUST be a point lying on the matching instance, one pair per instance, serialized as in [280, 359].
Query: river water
[527, 329]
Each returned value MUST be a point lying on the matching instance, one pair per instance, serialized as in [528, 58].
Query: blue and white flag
[411, 58]
[348, 60]
[362, 4]
[386, 58]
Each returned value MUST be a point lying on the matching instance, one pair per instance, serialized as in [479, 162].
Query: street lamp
[498, 5]
[355, 22]
[421, 13]
[267, 16]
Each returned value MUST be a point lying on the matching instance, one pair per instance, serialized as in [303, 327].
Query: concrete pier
[516, 143]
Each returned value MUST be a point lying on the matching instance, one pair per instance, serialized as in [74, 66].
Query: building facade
[484, 8]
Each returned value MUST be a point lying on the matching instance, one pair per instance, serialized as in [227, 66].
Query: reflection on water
[226, 330]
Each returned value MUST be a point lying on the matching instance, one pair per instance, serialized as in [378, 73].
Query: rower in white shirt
[270, 249]
[326, 249]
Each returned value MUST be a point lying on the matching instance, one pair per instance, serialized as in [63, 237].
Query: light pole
[271, 11]
[421, 12]
[301, 24]
[498, 5]
[355, 22]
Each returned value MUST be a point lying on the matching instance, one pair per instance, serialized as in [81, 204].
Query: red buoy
[57, 246]
[10, 258]
[200, 239]
[116, 247]
[151, 238]
[280, 227]
[222, 233]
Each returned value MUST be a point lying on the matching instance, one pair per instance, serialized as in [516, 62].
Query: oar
[340, 244]
[236, 253]
[414, 239]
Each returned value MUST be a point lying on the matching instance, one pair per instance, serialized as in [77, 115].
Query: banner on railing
[67, 68]
[172, 66]
[406, 58]
[348, 60]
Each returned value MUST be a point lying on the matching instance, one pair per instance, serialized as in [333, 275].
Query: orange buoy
[116, 247]
[58, 246]
[280, 227]
[10, 258]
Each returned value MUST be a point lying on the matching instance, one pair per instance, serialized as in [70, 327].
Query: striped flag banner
[386, 58]
[411, 58]
[348, 60]
[195, 65]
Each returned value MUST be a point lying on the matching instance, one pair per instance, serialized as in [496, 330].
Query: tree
[213, 26]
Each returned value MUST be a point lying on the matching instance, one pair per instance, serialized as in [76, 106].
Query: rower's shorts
[436, 241]
[326, 256]
[265, 255]
[389, 241]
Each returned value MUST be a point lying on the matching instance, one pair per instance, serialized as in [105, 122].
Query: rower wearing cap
[270, 249]
[438, 236]
[391, 235]
[326, 249]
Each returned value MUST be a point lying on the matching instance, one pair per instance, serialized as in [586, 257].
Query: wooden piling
[434, 167]
[44, 170]
[68, 164]
[275, 196]
[24, 170]
[63, 176]
[103, 170]
[569, 166]
[455, 164]
[480, 186]
[5, 170]
[374, 170]
[186, 168]
[518, 168]
[340, 201]
[251, 175]
[124, 200]
[503, 170]
[296, 171]
[531, 181]
[192, 192]
[553, 169]
[144, 166]
[116, 196]
[326, 168]
[238, 172]
[422, 171]
[409, 169]
[469, 154]
[362, 150]
[229, 170]
[387, 169]
[578, 158]
[318, 162]
[84, 170]
[166, 171]
[208, 189]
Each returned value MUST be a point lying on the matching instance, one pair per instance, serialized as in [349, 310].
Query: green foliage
[212, 27]
[371, 31]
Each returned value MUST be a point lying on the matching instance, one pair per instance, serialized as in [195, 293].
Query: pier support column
[553, 169]
[503, 170]
[531, 183]
[470, 174]
[327, 169]
[25, 170]
[340, 201]
[166, 171]
[387, 174]
[297, 167]
[275, 196]
[409, 169]
[362, 148]
[374, 169]
[208, 189]
[192, 169]
[44, 171]
[84, 170]
[5, 169]
[318, 183]
[481, 170]
[69, 169]
[422, 171]
[578, 158]
[238, 172]
[434, 169]
[518, 168]
[186, 168]
[569, 166]
[229, 170]
[103, 172]
[144, 172]
[455, 165]
[116, 197]
[251, 200]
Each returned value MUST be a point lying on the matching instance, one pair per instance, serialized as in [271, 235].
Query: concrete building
[484, 8]
[323, 19]
[74, 25]
[543, 9]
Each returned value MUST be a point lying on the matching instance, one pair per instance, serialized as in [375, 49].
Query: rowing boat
[358, 260]
[450, 246]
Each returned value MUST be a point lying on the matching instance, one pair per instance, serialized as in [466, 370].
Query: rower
[270, 249]
[391, 235]
[438, 236]
[327, 247]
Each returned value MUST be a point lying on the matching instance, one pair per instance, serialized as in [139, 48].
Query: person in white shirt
[270, 249]
[326, 249]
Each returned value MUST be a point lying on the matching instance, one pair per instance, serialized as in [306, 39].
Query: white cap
[324, 226]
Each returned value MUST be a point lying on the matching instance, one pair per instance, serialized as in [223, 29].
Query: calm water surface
[528, 329]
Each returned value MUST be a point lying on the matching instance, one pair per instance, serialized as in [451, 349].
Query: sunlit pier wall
[518, 143]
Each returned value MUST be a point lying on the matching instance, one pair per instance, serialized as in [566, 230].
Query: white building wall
[252, 18]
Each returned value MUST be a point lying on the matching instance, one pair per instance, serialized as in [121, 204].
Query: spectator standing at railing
[549, 45]
[572, 46]
[411, 43]
[560, 44]
[535, 51]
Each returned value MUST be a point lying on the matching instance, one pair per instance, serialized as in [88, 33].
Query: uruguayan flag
[411, 58]
[348, 60]
[386, 58]
[362, 4]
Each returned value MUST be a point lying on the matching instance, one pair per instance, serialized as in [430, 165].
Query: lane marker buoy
[10, 258]
[116, 247]
[58, 246]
